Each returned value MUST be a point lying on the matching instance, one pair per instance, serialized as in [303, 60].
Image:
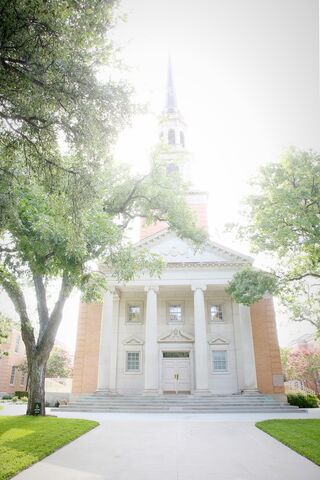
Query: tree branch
[41, 302]
[300, 277]
[48, 335]
[15, 293]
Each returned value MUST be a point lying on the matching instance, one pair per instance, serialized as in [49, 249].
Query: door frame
[177, 347]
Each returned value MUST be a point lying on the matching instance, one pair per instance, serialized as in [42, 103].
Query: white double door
[176, 375]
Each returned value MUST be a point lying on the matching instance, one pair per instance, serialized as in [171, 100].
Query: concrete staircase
[178, 404]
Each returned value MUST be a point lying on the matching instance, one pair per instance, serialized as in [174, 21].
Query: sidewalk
[174, 447]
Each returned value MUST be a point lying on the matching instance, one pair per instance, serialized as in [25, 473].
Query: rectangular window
[175, 313]
[133, 362]
[175, 354]
[219, 360]
[13, 375]
[16, 348]
[134, 313]
[22, 379]
[215, 313]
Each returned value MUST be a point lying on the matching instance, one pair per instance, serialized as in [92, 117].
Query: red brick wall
[85, 373]
[13, 359]
[266, 347]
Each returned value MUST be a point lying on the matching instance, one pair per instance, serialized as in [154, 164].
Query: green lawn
[303, 436]
[26, 440]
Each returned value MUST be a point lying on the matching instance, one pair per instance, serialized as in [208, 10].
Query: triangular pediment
[175, 250]
[133, 341]
[176, 335]
[218, 341]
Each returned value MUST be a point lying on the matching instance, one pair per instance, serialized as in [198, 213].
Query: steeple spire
[171, 100]
[172, 125]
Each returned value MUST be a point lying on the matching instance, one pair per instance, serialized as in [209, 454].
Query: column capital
[155, 288]
[110, 289]
[111, 292]
[198, 286]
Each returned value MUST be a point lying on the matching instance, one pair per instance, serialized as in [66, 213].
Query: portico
[171, 344]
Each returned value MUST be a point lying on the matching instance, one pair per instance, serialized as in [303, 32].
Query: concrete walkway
[175, 447]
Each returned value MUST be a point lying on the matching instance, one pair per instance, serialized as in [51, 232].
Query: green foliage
[21, 393]
[303, 400]
[283, 216]
[303, 436]
[284, 356]
[6, 397]
[302, 300]
[283, 219]
[26, 440]
[5, 328]
[249, 285]
[59, 363]
[50, 54]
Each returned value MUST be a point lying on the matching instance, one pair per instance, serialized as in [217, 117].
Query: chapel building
[180, 333]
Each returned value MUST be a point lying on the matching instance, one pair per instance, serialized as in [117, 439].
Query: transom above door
[176, 372]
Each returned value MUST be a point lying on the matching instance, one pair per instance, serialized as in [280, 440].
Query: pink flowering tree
[304, 365]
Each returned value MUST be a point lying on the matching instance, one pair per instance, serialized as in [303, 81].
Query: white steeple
[172, 126]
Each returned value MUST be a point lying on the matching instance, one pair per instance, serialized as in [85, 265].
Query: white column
[151, 362]
[105, 343]
[114, 346]
[201, 341]
[249, 378]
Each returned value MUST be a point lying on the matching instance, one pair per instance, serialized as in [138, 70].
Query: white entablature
[213, 264]
[176, 250]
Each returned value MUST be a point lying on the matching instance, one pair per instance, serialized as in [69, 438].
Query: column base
[249, 391]
[151, 391]
[105, 392]
[202, 392]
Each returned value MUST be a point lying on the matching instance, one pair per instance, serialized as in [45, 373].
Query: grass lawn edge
[84, 426]
[264, 426]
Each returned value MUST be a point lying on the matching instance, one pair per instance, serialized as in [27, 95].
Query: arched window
[172, 168]
[171, 137]
[182, 139]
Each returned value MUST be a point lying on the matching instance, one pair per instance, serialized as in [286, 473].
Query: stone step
[283, 409]
[265, 402]
[178, 403]
[177, 399]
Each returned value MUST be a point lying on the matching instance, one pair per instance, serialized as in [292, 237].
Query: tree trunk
[37, 372]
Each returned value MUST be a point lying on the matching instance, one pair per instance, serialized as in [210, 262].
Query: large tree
[48, 237]
[283, 220]
[64, 211]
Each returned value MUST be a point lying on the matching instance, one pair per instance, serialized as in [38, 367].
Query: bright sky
[247, 80]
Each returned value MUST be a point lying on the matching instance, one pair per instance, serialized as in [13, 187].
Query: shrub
[302, 400]
[57, 404]
[6, 397]
[15, 399]
[21, 393]
[24, 399]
